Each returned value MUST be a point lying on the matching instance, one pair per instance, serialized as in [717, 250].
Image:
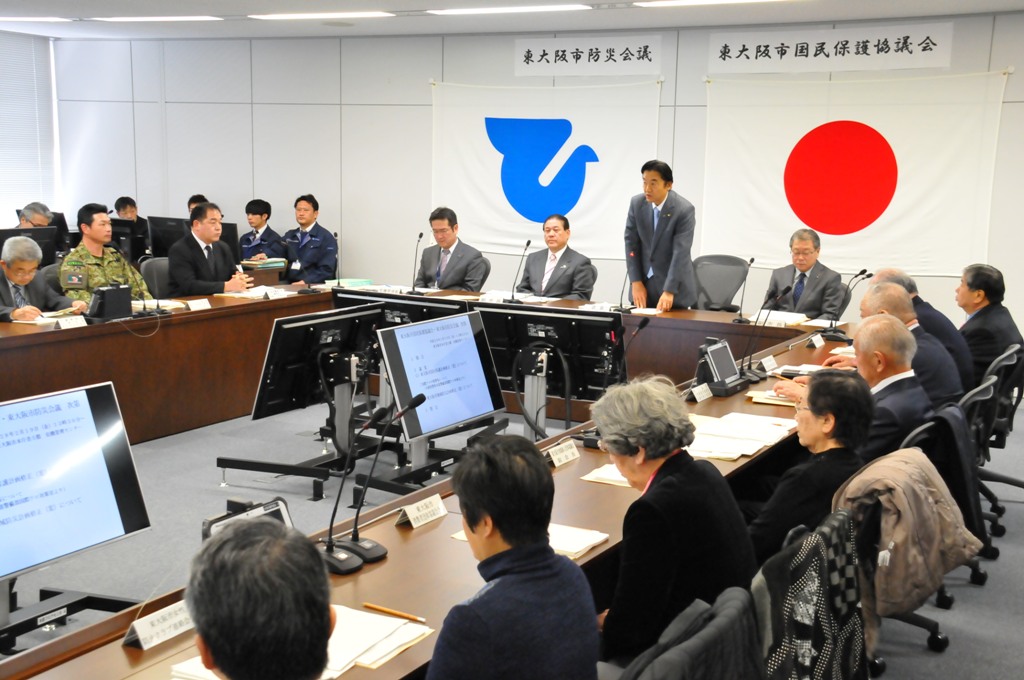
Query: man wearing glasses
[451, 264]
[816, 290]
[23, 295]
[559, 271]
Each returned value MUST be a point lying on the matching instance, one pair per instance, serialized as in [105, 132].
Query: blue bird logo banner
[507, 158]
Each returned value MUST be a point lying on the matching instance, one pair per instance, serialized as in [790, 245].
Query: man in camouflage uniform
[94, 263]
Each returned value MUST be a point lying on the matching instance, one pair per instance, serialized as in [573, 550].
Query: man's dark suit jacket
[939, 326]
[683, 540]
[271, 244]
[190, 272]
[37, 293]
[572, 279]
[466, 269]
[988, 333]
[823, 296]
[935, 369]
[899, 408]
[667, 251]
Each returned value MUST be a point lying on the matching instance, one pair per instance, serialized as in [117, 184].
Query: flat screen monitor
[46, 237]
[590, 343]
[164, 232]
[400, 309]
[449, 362]
[68, 478]
[63, 236]
[130, 237]
[302, 346]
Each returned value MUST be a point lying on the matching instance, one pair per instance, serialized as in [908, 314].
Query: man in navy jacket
[312, 250]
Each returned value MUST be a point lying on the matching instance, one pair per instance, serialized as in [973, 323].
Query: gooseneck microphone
[368, 550]
[343, 561]
[522, 259]
[837, 334]
[739, 312]
[749, 372]
[415, 266]
[622, 308]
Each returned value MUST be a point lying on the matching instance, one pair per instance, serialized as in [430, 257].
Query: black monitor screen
[63, 236]
[67, 477]
[46, 237]
[229, 235]
[590, 343]
[400, 309]
[164, 232]
[129, 236]
[449, 362]
[301, 345]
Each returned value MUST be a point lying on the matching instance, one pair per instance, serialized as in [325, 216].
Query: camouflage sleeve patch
[73, 280]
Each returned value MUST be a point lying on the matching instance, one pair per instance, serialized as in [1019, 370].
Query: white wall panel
[97, 153]
[152, 194]
[216, 71]
[486, 60]
[668, 67]
[1006, 238]
[1008, 50]
[209, 151]
[390, 71]
[148, 70]
[77, 64]
[306, 71]
[385, 190]
[298, 151]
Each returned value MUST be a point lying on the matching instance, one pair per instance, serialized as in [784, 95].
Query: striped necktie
[19, 296]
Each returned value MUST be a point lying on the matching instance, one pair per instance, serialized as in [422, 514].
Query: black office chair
[487, 272]
[155, 273]
[51, 274]
[719, 277]
[979, 407]
[1004, 369]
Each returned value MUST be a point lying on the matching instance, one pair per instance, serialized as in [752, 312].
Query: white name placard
[148, 631]
[71, 322]
[816, 340]
[201, 303]
[769, 363]
[427, 510]
[563, 453]
[701, 392]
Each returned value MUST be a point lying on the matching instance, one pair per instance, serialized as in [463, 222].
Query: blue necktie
[798, 289]
[657, 214]
[19, 297]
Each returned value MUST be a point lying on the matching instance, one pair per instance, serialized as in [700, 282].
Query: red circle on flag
[840, 177]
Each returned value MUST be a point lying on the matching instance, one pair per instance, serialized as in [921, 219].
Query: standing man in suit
[95, 262]
[201, 264]
[559, 271]
[989, 328]
[262, 242]
[817, 291]
[659, 233]
[935, 322]
[451, 264]
[23, 295]
[313, 251]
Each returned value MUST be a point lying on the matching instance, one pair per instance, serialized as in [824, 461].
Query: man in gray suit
[23, 295]
[559, 271]
[659, 233]
[816, 290]
[451, 264]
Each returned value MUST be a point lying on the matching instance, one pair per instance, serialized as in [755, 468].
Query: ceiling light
[145, 19]
[697, 3]
[321, 15]
[508, 10]
[41, 20]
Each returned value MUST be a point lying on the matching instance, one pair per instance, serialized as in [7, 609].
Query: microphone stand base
[835, 335]
[513, 301]
[307, 291]
[365, 549]
[623, 310]
[740, 319]
[415, 292]
[341, 562]
[752, 375]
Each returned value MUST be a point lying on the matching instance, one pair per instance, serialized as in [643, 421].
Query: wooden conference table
[192, 369]
[426, 572]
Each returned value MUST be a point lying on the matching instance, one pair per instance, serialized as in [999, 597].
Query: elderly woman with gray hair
[684, 538]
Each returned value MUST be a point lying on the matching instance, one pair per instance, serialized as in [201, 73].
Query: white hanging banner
[507, 158]
[894, 173]
[860, 48]
[623, 55]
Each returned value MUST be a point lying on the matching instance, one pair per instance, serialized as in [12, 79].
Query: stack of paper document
[138, 306]
[260, 292]
[269, 263]
[359, 639]
[769, 397]
[736, 434]
[606, 474]
[779, 318]
[568, 541]
[802, 369]
[843, 351]
[501, 295]
[386, 288]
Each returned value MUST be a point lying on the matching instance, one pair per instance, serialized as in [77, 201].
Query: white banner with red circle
[890, 172]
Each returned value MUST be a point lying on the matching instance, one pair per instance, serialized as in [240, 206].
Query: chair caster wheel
[998, 530]
[998, 509]
[876, 667]
[979, 577]
[937, 642]
[989, 552]
[944, 600]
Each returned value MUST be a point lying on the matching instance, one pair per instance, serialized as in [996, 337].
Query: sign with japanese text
[861, 48]
[627, 55]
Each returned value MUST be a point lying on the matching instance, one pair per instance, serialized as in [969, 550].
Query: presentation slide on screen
[442, 362]
[55, 493]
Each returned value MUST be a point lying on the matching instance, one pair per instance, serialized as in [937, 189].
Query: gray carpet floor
[182, 485]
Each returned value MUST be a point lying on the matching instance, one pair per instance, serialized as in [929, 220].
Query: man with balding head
[933, 365]
[935, 322]
[885, 351]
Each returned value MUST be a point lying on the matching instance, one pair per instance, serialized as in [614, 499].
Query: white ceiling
[412, 20]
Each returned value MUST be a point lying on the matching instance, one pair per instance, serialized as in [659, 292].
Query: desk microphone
[369, 550]
[522, 258]
[337, 259]
[622, 308]
[343, 561]
[415, 266]
[739, 312]
[749, 372]
[836, 334]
